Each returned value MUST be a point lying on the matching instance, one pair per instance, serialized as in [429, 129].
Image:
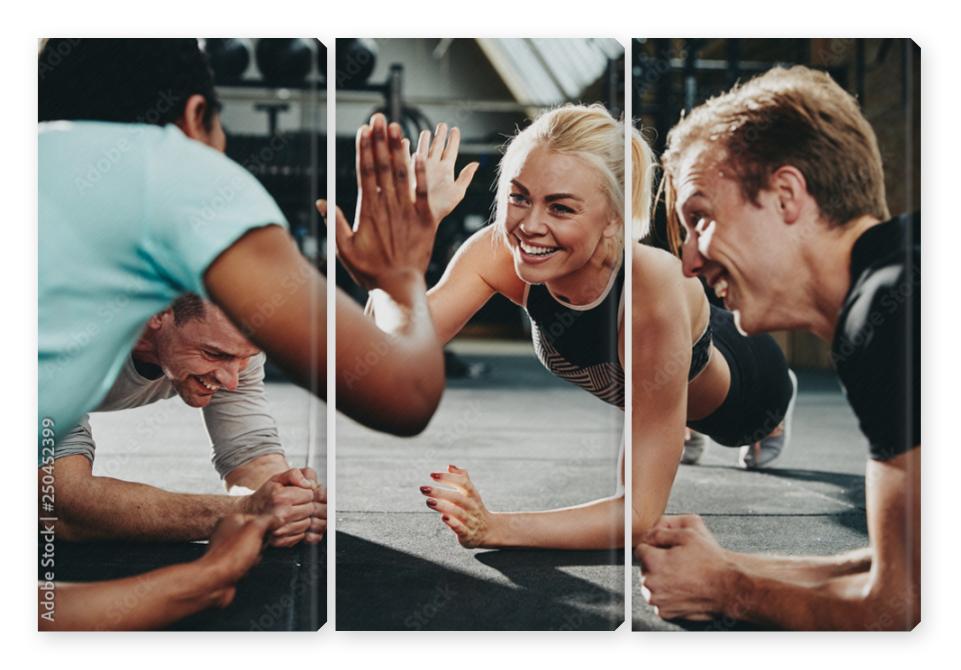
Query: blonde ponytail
[643, 165]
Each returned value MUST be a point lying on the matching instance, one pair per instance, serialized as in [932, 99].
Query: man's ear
[791, 189]
[192, 121]
[155, 322]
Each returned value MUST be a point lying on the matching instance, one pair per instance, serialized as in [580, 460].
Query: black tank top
[579, 342]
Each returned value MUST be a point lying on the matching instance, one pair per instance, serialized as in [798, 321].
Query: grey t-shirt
[239, 422]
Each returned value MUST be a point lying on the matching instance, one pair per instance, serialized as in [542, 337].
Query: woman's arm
[160, 597]
[265, 285]
[481, 267]
[598, 524]
[661, 350]
[662, 357]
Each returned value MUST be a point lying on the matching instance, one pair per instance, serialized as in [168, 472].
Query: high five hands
[393, 232]
[444, 191]
[401, 200]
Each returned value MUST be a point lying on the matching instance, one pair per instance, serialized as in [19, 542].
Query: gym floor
[811, 502]
[166, 445]
[530, 442]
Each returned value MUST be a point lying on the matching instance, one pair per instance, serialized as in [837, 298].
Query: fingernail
[434, 475]
[431, 502]
[395, 131]
[445, 518]
[425, 490]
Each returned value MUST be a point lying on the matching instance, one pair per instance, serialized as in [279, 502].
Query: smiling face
[202, 355]
[742, 249]
[557, 216]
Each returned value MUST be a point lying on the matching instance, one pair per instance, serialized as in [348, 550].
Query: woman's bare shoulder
[486, 253]
[655, 274]
[661, 291]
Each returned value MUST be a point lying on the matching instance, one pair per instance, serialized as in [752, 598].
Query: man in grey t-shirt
[194, 351]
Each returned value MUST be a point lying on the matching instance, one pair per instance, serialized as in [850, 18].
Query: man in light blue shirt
[137, 212]
[136, 200]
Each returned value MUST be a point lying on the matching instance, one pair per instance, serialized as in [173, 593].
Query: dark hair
[788, 116]
[188, 307]
[123, 80]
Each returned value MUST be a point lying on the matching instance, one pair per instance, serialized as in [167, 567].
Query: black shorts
[760, 390]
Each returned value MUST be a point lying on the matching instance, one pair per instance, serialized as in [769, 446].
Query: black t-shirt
[877, 344]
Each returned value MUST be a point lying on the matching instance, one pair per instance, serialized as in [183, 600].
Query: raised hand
[444, 191]
[393, 232]
[460, 507]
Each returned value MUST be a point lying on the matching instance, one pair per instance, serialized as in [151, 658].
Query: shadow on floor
[285, 591]
[380, 588]
[530, 569]
[852, 486]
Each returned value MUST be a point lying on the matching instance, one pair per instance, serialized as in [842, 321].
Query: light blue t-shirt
[130, 217]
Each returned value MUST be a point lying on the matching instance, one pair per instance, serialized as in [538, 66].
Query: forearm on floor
[106, 508]
[805, 570]
[598, 524]
[840, 603]
[148, 601]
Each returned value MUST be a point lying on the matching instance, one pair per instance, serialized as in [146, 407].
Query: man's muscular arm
[95, 508]
[888, 595]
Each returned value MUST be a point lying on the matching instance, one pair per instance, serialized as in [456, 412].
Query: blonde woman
[556, 249]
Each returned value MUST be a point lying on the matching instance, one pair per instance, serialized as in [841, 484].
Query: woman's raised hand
[393, 232]
[460, 507]
[444, 191]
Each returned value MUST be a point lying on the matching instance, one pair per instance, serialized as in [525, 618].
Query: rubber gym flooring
[166, 445]
[530, 442]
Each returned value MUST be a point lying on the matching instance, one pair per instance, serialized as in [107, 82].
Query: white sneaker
[761, 454]
[694, 448]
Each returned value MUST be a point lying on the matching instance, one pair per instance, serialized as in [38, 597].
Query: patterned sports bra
[578, 343]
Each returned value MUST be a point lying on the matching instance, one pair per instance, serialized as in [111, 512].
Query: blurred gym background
[670, 76]
[486, 87]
